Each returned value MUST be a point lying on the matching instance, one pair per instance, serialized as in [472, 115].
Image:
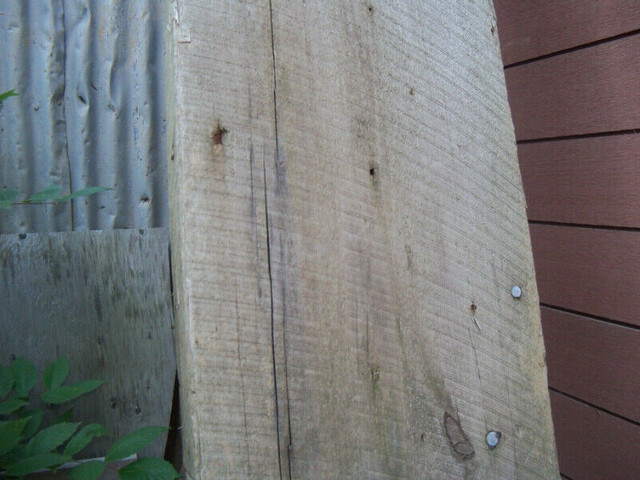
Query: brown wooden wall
[573, 77]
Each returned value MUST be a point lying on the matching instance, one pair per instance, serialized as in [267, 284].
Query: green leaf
[52, 192]
[66, 393]
[7, 197]
[24, 376]
[29, 465]
[35, 419]
[6, 381]
[87, 471]
[148, 469]
[51, 437]
[12, 405]
[84, 437]
[5, 95]
[63, 417]
[10, 432]
[133, 442]
[56, 373]
[83, 193]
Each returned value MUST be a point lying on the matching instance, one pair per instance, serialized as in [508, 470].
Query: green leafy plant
[7, 94]
[26, 447]
[50, 195]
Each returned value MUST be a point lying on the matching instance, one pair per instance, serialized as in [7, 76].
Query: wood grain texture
[588, 270]
[222, 135]
[394, 203]
[530, 29]
[103, 300]
[586, 91]
[591, 181]
[595, 361]
[593, 445]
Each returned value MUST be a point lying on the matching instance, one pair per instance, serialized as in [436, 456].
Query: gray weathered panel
[103, 300]
[90, 112]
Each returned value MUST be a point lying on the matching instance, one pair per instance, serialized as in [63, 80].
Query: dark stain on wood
[375, 174]
[217, 134]
[457, 438]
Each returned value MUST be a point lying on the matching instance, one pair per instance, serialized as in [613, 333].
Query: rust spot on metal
[457, 438]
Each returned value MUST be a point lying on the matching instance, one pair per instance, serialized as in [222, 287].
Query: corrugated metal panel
[90, 75]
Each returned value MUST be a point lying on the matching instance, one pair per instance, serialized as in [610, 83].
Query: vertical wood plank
[364, 215]
[103, 300]
[396, 204]
[221, 73]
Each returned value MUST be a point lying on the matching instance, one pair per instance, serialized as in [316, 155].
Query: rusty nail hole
[217, 135]
[473, 307]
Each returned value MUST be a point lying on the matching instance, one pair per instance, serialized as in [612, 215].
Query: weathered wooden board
[592, 444]
[596, 361]
[222, 139]
[590, 180]
[586, 91]
[103, 300]
[531, 29]
[589, 270]
[348, 221]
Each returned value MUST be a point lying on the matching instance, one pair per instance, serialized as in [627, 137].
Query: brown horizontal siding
[593, 181]
[533, 29]
[593, 445]
[572, 70]
[582, 92]
[596, 361]
[588, 270]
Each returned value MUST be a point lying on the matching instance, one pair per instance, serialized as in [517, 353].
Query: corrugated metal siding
[90, 75]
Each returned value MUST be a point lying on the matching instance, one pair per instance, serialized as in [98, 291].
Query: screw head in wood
[493, 438]
[516, 291]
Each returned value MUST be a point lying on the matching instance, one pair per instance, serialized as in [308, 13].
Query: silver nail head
[493, 438]
[516, 291]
